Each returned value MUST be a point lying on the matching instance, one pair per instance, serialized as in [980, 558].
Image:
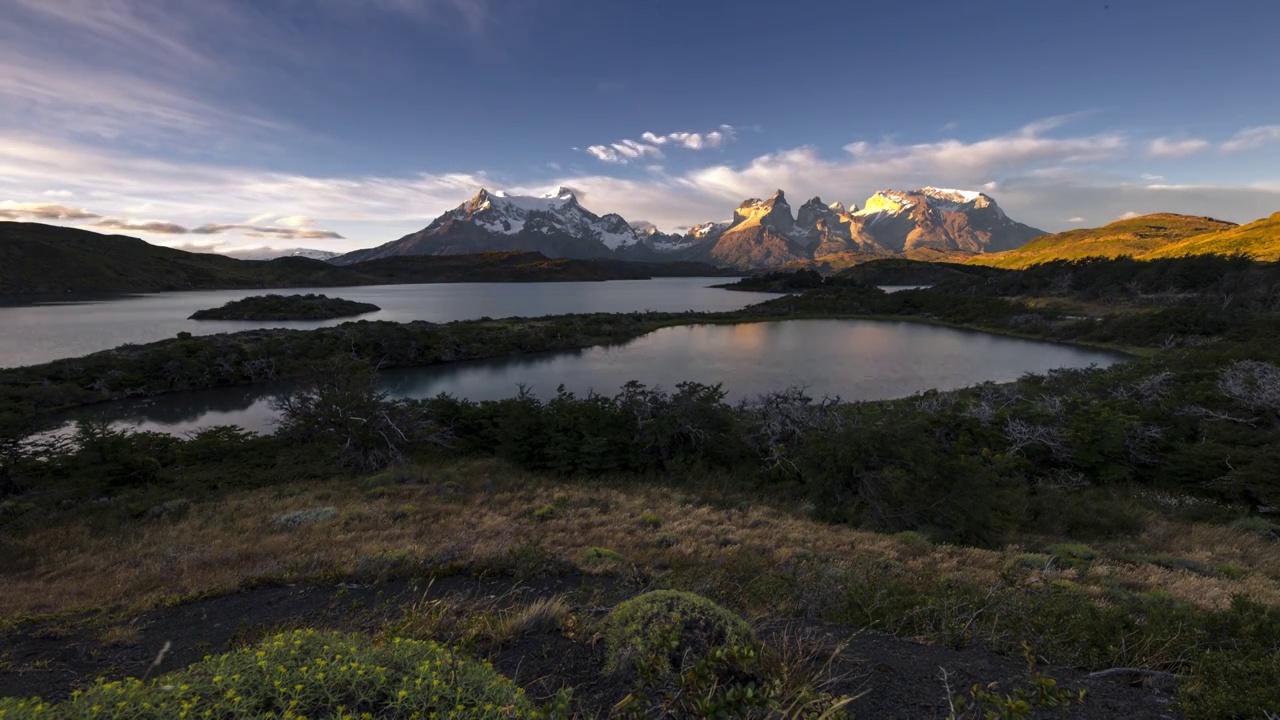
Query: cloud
[1152, 178]
[1039, 177]
[43, 211]
[625, 151]
[1171, 147]
[1075, 219]
[154, 227]
[1128, 215]
[259, 231]
[1250, 138]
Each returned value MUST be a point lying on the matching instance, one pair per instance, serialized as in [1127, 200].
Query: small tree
[340, 406]
[22, 447]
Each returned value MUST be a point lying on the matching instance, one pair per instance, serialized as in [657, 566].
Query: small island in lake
[286, 307]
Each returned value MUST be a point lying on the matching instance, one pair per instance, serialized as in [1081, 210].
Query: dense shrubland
[1189, 432]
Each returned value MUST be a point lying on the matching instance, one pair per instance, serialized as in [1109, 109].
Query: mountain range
[762, 232]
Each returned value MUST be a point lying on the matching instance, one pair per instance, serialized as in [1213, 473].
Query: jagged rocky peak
[838, 207]
[888, 201]
[809, 213]
[644, 228]
[773, 212]
[709, 228]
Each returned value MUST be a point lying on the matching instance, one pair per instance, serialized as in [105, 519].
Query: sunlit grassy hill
[1148, 235]
[1259, 239]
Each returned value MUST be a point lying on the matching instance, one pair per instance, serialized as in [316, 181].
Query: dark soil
[894, 678]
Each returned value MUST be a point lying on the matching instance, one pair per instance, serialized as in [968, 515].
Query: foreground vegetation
[286, 307]
[1117, 520]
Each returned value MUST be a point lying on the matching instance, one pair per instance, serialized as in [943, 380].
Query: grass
[484, 520]
[1133, 236]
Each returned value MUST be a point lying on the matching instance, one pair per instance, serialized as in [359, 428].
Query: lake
[40, 333]
[852, 359]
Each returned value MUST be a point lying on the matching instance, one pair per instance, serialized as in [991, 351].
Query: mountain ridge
[762, 232]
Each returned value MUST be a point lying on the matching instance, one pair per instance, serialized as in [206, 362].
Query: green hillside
[1259, 239]
[1136, 237]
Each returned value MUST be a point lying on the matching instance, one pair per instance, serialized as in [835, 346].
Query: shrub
[305, 674]
[668, 629]
[1073, 554]
[1261, 526]
[601, 555]
[298, 518]
[650, 519]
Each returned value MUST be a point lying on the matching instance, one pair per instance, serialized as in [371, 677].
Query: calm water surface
[853, 359]
[40, 333]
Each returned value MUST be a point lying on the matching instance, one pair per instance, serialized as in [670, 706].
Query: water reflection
[852, 359]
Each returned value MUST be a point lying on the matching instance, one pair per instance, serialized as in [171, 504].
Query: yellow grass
[429, 526]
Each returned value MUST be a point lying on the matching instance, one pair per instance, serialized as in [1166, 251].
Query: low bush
[667, 630]
[304, 674]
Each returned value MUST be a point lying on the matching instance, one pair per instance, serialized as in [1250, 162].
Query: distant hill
[1259, 240]
[520, 267]
[47, 259]
[1148, 235]
[41, 261]
[902, 271]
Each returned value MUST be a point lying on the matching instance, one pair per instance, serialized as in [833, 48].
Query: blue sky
[346, 123]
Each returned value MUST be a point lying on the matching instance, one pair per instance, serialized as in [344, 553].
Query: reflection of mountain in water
[853, 359]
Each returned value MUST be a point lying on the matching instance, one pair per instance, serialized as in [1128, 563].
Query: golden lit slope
[1259, 239]
[1138, 236]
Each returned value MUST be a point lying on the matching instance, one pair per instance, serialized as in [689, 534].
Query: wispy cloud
[153, 227]
[1253, 137]
[260, 231]
[1175, 147]
[650, 144]
[43, 211]
[1039, 176]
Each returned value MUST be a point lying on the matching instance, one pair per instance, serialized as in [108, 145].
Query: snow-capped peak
[557, 211]
[561, 193]
[709, 228]
[950, 194]
[886, 201]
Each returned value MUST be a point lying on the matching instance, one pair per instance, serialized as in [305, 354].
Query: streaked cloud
[43, 211]
[1174, 147]
[259, 231]
[1253, 137]
[153, 227]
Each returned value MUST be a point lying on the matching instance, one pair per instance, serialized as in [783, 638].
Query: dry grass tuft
[540, 615]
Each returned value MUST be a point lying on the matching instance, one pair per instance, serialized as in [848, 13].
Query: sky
[340, 124]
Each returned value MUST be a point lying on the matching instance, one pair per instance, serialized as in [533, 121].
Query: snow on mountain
[763, 232]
